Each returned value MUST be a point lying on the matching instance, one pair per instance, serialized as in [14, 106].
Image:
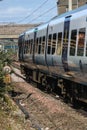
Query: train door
[34, 43]
[65, 43]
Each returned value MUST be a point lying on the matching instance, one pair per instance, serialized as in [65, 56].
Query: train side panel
[58, 60]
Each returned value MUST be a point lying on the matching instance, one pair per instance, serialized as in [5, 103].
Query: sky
[27, 11]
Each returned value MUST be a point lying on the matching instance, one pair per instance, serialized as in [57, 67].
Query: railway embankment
[25, 107]
[11, 116]
[44, 111]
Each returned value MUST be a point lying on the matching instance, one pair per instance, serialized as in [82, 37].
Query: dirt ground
[29, 108]
[48, 113]
[11, 117]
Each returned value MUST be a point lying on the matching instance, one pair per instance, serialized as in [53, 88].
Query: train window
[36, 46]
[43, 45]
[39, 46]
[59, 44]
[25, 47]
[86, 48]
[54, 43]
[31, 45]
[28, 47]
[73, 42]
[81, 41]
[49, 44]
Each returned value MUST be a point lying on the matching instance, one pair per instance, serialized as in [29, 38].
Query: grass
[9, 112]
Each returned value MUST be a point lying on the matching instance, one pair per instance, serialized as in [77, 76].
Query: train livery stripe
[65, 43]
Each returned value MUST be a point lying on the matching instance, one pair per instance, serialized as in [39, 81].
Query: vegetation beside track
[11, 117]
[5, 58]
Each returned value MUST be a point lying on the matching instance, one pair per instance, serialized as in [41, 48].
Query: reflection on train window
[73, 42]
[24, 47]
[86, 48]
[27, 46]
[43, 44]
[49, 44]
[81, 41]
[20, 43]
[36, 46]
[59, 44]
[31, 45]
[39, 46]
[54, 43]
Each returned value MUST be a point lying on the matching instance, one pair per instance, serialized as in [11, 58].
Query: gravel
[46, 112]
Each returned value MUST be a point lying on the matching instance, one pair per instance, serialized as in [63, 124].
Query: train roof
[84, 7]
[30, 31]
[60, 18]
[42, 26]
[22, 34]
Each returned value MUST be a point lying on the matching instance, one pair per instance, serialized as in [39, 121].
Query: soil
[46, 112]
[28, 108]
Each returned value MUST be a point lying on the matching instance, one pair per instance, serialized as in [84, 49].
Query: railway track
[44, 112]
[80, 107]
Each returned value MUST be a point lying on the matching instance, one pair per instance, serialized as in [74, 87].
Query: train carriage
[55, 54]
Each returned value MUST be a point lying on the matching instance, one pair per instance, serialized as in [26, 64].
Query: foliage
[5, 58]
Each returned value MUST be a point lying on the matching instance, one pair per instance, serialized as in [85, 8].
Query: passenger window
[36, 46]
[73, 42]
[25, 47]
[81, 41]
[39, 46]
[31, 45]
[86, 48]
[54, 43]
[49, 44]
[59, 44]
[43, 45]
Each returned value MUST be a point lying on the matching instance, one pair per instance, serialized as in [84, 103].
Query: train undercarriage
[68, 89]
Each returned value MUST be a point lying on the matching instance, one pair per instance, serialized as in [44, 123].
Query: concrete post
[70, 5]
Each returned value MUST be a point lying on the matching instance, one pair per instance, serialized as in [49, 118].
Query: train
[54, 54]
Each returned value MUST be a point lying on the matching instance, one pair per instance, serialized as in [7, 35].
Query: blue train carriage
[27, 62]
[54, 54]
[20, 46]
[28, 47]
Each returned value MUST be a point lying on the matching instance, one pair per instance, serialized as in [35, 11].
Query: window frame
[80, 51]
[49, 44]
[73, 31]
[59, 44]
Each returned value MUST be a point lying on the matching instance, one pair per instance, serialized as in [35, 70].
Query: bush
[4, 58]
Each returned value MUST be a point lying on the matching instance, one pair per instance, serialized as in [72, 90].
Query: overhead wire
[34, 11]
[42, 14]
